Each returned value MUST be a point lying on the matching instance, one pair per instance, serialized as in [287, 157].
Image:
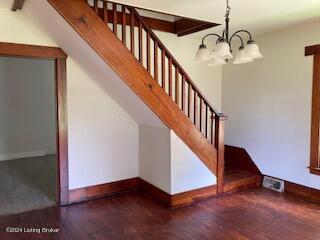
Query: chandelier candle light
[222, 52]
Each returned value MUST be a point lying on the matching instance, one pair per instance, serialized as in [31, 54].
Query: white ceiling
[257, 16]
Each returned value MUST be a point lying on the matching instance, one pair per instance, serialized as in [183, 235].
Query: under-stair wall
[168, 164]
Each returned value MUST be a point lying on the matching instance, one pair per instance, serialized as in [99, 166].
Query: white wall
[154, 156]
[103, 138]
[269, 104]
[27, 108]
[20, 28]
[167, 163]
[187, 170]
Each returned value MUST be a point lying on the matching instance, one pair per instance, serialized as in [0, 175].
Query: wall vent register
[273, 184]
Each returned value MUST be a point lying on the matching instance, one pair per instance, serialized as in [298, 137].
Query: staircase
[124, 41]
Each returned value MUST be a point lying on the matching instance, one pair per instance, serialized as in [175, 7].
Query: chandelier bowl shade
[252, 50]
[242, 57]
[202, 54]
[222, 50]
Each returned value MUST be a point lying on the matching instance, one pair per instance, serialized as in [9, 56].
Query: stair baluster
[174, 80]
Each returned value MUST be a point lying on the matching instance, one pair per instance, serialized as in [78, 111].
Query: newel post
[219, 145]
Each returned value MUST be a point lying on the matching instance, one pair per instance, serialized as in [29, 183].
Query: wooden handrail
[116, 54]
[174, 80]
[174, 61]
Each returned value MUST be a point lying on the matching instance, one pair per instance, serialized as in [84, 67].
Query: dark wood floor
[252, 214]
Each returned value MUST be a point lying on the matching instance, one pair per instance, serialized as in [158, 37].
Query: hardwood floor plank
[134, 216]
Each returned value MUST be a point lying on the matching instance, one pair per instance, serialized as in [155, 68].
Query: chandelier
[222, 51]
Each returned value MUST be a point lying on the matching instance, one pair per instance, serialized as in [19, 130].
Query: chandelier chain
[228, 9]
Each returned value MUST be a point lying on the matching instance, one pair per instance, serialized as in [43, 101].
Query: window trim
[315, 114]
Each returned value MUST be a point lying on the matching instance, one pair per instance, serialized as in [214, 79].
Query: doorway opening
[33, 128]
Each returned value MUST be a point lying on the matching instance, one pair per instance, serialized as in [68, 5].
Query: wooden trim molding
[301, 191]
[30, 51]
[62, 130]
[181, 27]
[315, 115]
[42, 52]
[307, 193]
[312, 50]
[192, 196]
[102, 190]
[254, 181]
[154, 192]
[219, 145]
[315, 171]
[17, 5]
[180, 199]
[185, 26]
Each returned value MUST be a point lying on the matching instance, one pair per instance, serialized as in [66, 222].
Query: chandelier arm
[210, 34]
[239, 31]
[236, 35]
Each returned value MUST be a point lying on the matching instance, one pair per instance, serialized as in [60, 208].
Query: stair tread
[232, 175]
[236, 179]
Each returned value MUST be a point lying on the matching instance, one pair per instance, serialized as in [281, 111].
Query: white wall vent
[273, 184]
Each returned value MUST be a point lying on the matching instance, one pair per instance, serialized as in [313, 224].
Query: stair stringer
[94, 31]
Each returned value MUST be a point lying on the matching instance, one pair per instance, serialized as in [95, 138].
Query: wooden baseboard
[180, 199]
[172, 201]
[102, 190]
[301, 191]
[154, 192]
[189, 197]
[310, 194]
[175, 200]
